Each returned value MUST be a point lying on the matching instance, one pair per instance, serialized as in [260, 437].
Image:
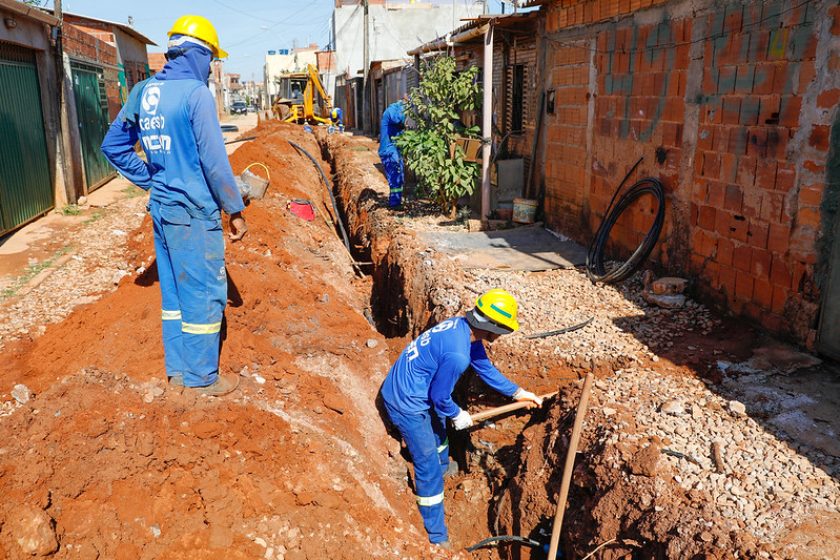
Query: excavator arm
[314, 84]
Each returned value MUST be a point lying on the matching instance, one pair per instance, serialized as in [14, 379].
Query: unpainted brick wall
[731, 105]
[80, 45]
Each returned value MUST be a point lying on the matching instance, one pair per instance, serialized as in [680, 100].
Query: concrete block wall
[731, 104]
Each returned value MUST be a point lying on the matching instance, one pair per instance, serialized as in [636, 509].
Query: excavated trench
[298, 465]
[623, 500]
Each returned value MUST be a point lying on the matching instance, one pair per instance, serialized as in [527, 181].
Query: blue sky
[247, 28]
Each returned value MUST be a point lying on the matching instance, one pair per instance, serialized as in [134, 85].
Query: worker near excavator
[187, 171]
[337, 118]
[417, 394]
[391, 126]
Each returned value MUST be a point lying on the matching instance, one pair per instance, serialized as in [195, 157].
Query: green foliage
[435, 106]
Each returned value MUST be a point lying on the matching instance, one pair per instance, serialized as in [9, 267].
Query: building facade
[732, 105]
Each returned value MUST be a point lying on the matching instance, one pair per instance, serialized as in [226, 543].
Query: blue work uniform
[393, 122]
[337, 118]
[417, 394]
[190, 179]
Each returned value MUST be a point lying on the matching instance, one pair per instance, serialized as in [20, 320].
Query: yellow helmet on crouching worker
[199, 28]
[494, 311]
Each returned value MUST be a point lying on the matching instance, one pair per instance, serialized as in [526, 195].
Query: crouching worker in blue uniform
[417, 394]
[187, 171]
[392, 125]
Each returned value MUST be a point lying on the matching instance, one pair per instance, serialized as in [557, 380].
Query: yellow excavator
[302, 98]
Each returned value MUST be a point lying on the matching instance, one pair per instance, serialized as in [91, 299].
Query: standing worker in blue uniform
[392, 125]
[417, 394]
[187, 170]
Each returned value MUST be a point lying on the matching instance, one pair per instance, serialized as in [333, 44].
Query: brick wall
[729, 106]
[80, 45]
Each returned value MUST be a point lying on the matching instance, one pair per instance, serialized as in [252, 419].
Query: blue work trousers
[193, 286]
[424, 434]
[392, 162]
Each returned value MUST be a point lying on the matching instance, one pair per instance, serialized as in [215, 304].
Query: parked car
[238, 108]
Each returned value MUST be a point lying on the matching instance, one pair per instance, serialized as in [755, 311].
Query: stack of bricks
[731, 110]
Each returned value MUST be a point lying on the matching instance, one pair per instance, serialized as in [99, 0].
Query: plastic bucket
[524, 210]
[256, 184]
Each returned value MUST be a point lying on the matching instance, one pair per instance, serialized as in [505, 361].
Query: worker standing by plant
[188, 173]
[392, 125]
[417, 393]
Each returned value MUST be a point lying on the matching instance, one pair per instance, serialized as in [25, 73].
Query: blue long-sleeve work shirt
[186, 162]
[425, 374]
[392, 124]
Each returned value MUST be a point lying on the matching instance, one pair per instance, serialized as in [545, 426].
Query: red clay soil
[615, 497]
[106, 461]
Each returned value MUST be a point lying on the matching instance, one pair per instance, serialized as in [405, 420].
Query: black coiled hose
[595, 259]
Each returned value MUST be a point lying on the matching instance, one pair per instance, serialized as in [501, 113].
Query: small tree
[435, 107]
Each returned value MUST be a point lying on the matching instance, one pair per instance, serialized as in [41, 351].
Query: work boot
[176, 380]
[222, 386]
[445, 545]
[451, 470]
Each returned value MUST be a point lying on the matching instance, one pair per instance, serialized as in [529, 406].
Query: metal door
[92, 113]
[25, 178]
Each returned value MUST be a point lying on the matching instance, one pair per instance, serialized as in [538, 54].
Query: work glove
[463, 420]
[523, 395]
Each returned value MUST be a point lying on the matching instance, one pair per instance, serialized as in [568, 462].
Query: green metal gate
[25, 177]
[92, 113]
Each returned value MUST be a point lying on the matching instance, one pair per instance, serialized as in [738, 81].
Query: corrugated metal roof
[505, 21]
[122, 26]
[30, 11]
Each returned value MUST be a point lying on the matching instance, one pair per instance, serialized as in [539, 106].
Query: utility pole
[66, 191]
[366, 60]
[366, 46]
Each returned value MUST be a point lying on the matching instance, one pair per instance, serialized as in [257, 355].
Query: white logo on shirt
[424, 339]
[151, 99]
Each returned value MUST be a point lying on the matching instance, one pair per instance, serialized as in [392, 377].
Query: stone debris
[97, 265]
[674, 407]
[738, 408]
[21, 393]
[668, 285]
[34, 531]
[767, 483]
[625, 331]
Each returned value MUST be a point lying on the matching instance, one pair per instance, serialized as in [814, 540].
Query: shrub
[434, 107]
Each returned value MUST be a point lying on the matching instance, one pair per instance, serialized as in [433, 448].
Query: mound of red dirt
[106, 461]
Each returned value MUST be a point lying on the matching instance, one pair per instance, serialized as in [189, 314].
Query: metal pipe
[487, 122]
[569, 467]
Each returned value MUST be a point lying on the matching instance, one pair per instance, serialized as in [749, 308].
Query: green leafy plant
[435, 107]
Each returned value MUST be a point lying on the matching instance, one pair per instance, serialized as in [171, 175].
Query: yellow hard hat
[495, 311]
[199, 28]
